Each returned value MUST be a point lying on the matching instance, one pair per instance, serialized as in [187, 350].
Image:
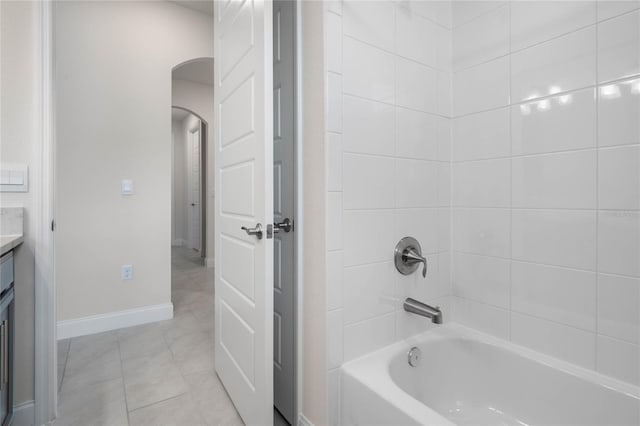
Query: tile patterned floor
[155, 374]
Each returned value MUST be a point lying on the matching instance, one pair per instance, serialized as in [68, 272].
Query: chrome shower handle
[410, 257]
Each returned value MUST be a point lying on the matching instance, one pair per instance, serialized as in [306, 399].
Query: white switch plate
[127, 187]
[126, 272]
[14, 178]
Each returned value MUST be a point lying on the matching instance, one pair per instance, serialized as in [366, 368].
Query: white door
[195, 193]
[283, 204]
[243, 131]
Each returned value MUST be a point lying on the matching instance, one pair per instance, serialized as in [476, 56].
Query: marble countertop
[11, 228]
[9, 242]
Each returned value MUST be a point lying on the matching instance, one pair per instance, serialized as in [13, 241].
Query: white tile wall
[482, 39]
[618, 47]
[368, 126]
[482, 136]
[483, 183]
[618, 112]
[469, 96]
[535, 22]
[562, 64]
[388, 157]
[558, 123]
[505, 137]
[618, 307]
[556, 266]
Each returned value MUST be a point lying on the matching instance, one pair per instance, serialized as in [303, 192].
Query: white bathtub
[468, 378]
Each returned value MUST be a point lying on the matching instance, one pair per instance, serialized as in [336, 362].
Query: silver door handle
[285, 225]
[257, 231]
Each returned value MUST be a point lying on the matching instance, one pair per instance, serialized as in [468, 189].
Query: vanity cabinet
[6, 338]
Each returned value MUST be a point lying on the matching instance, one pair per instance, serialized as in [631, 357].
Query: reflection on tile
[558, 123]
[559, 65]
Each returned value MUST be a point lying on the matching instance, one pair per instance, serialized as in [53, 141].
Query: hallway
[153, 374]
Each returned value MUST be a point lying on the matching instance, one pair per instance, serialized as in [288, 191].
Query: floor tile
[212, 400]
[97, 404]
[178, 411]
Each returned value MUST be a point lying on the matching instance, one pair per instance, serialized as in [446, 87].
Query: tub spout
[424, 310]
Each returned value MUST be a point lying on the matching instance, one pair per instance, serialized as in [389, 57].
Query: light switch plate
[127, 187]
[14, 177]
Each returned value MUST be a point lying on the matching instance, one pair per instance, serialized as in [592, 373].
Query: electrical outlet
[126, 272]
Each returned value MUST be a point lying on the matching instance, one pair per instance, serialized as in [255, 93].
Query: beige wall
[19, 92]
[199, 99]
[113, 118]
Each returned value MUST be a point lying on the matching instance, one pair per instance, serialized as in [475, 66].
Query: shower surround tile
[560, 257]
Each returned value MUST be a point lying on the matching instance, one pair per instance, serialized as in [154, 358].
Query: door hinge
[53, 225]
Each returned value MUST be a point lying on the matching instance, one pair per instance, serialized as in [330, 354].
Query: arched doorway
[192, 93]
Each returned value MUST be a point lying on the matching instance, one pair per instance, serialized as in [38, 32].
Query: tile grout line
[64, 368]
[124, 388]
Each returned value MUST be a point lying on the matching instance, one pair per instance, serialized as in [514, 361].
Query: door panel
[283, 203]
[243, 132]
[195, 191]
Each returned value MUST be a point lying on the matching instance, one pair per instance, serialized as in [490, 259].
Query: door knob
[408, 256]
[257, 231]
[285, 225]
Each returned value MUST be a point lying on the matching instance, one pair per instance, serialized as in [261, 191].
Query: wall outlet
[126, 272]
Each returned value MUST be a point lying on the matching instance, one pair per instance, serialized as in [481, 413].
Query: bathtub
[468, 378]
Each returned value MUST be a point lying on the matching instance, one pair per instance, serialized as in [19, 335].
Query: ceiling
[198, 71]
[204, 6]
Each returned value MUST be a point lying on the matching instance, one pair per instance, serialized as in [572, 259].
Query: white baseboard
[178, 242]
[114, 320]
[303, 421]
[209, 262]
[24, 414]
